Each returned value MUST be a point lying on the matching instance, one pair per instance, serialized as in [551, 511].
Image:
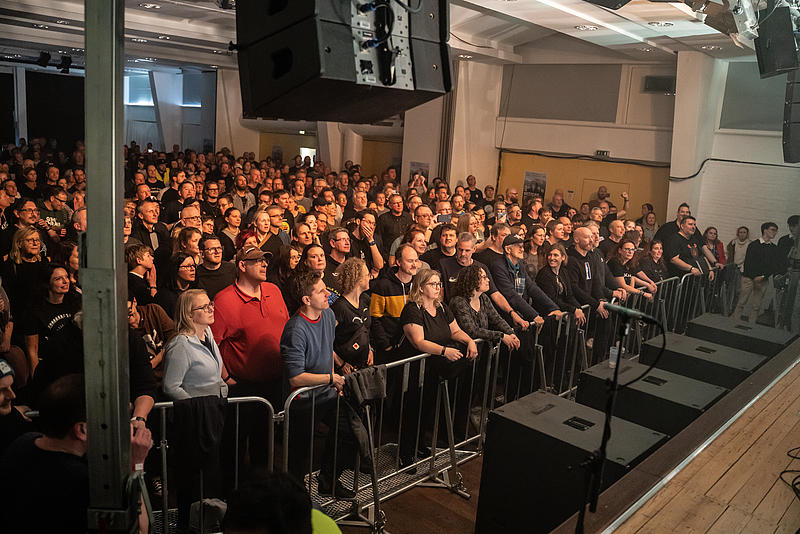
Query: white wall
[167, 89]
[477, 103]
[421, 135]
[642, 129]
[230, 131]
[754, 188]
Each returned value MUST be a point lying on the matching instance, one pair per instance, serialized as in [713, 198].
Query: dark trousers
[253, 431]
[303, 424]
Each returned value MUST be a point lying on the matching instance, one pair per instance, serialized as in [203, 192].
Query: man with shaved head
[588, 287]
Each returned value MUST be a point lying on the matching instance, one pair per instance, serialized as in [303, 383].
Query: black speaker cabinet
[610, 4]
[702, 360]
[311, 59]
[743, 336]
[776, 50]
[791, 119]
[661, 400]
[532, 480]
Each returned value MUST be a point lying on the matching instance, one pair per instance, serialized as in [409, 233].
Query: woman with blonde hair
[261, 227]
[24, 269]
[194, 368]
[430, 327]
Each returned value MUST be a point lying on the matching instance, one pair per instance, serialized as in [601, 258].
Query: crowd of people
[255, 277]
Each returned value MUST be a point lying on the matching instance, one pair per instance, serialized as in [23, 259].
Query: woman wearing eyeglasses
[194, 368]
[430, 327]
[628, 275]
[181, 277]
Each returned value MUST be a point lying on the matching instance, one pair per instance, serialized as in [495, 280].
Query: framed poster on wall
[534, 186]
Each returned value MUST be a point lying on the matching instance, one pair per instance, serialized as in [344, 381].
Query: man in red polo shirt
[248, 322]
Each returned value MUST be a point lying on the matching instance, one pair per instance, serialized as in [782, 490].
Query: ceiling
[196, 33]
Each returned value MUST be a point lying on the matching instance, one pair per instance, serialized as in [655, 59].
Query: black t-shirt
[436, 329]
[618, 269]
[50, 489]
[686, 249]
[349, 320]
[48, 321]
[217, 280]
[360, 248]
[434, 257]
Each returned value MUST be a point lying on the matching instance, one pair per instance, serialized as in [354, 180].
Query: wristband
[443, 349]
[138, 418]
[372, 243]
[330, 382]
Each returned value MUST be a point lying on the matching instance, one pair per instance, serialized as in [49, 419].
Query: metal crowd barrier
[464, 401]
[166, 517]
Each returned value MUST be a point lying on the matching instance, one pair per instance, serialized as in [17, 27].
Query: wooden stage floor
[433, 510]
[733, 486]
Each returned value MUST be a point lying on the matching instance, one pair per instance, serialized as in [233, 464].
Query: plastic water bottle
[613, 356]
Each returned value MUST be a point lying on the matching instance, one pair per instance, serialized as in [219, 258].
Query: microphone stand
[595, 463]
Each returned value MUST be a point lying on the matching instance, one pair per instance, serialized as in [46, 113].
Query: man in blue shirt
[307, 353]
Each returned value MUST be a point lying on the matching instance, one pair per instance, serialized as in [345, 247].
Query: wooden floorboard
[433, 510]
[733, 486]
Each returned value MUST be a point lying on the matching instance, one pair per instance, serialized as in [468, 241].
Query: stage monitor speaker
[532, 480]
[776, 49]
[328, 60]
[741, 335]
[702, 360]
[663, 401]
[610, 4]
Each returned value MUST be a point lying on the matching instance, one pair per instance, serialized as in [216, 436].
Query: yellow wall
[376, 156]
[289, 143]
[580, 178]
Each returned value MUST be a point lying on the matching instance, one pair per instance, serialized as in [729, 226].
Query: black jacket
[140, 232]
[587, 284]
[563, 295]
[505, 280]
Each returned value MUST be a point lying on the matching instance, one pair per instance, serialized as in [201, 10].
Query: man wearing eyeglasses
[213, 274]
[340, 251]
[249, 319]
[53, 210]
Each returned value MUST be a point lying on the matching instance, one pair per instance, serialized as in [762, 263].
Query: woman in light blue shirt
[194, 367]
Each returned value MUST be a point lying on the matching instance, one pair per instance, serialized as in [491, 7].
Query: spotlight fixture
[164, 37]
[44, 59]
[148, 5]
[138, 40]
[214, 66]
[646, 49]
[586, 28]
[660, 24]
[464, 56]
[66, 63]
[302, 132]
[62, 21]
[711, 47]
[41, 26]
[217, 51]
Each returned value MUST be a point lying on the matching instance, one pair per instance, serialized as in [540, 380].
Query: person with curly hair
[351, 345]
[474, 311]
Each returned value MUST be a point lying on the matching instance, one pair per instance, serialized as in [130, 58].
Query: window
[137, 90]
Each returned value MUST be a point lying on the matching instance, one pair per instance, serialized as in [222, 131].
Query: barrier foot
[376, 525]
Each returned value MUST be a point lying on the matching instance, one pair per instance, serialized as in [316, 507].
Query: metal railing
[163, 446]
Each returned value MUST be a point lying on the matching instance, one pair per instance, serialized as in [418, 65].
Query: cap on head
[512, 239]
[252, 253]
[5, 369]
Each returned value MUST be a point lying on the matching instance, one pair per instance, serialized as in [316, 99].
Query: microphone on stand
[629, 313]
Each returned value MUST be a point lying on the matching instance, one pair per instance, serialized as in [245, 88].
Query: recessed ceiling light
[61, 21]
[218, 51]
[646, 49]
[164, 37]
[586, 28]
[77, 49]
[138, 40]
[711, 47]
[464, 56]
[41, 26]
[63, 52]
[302, 132]
[214, 66]
[148, 5]
[144, 60]
[660, 24]
[12, 56]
